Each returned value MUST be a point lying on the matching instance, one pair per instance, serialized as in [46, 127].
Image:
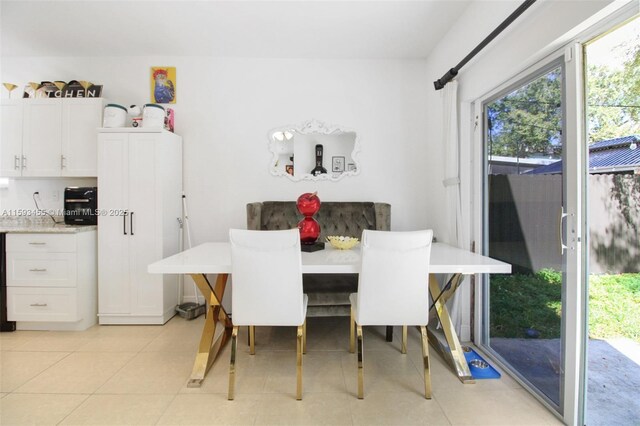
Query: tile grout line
[99, 387]
[94, 392]
[444, 413]
[73, 410]
[38, 374]
[107, 379]
[167, 407]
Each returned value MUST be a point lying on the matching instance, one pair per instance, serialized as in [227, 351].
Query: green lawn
[521, 302]
[614, 306]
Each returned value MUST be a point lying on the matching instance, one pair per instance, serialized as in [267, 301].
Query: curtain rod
[449, 75]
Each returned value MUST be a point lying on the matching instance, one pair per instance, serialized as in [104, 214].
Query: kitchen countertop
[21, 225]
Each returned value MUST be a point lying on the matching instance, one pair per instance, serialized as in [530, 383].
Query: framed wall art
[163, 85]
[337, 164]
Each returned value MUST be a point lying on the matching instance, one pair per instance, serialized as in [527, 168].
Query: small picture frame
[337, 164]
[351, 167]
[289, 169]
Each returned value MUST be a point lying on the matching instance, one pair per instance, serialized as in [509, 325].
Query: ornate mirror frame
[312, 127]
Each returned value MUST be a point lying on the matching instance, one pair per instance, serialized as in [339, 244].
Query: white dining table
[215, 258]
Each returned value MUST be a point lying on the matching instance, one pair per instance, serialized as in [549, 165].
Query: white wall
[225, 108]
[19, 193]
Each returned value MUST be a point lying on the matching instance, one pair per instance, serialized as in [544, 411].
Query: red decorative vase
[308, 204]
[309, 230]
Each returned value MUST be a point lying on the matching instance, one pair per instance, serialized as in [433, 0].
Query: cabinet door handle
[38, 304]
[24, 162]
[131, 223]
[37, 244]
[124, 223]
[16, 162]
[62, 160]
[38, 270]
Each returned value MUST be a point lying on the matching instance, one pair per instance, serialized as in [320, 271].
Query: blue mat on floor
[476, 370]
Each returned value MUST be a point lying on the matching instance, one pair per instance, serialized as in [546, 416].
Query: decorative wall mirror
[313, 151]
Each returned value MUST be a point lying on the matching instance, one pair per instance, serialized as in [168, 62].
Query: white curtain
[451, 181]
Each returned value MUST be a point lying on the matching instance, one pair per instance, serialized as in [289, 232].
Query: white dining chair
[393, 290]
[266, 268]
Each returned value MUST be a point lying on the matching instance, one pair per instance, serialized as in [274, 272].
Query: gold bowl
[342, 243]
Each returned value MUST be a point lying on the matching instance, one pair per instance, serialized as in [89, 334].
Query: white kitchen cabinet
[44, 269]
[50, 137]
[42, 137]
[80, 119]
[140, 181]
[11, 116]
[52, 280]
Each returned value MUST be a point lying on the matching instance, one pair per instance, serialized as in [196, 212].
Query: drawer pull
[38, 270]
[40, 305]
[37, 244]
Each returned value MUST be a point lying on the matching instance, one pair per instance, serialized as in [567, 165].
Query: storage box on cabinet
[52, 280]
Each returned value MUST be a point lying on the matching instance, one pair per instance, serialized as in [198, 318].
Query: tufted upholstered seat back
[335, 218]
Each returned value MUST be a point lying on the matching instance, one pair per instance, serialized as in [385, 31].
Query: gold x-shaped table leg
[451, 350]
[210, 347]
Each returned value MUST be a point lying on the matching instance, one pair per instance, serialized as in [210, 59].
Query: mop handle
[187, 229]
[186, 219]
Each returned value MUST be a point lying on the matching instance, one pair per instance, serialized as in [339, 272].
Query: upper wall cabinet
[49, 137]
[314, 151]
[11, 119]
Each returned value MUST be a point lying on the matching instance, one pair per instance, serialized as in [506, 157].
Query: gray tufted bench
[328, 293]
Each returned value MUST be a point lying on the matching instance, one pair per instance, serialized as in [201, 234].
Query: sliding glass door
[525, 187]
[531, 202]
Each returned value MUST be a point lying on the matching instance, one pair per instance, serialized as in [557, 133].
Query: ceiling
[281, 29]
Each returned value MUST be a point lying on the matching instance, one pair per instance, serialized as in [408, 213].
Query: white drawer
[41, 243]
[41, 269]
[42, 304]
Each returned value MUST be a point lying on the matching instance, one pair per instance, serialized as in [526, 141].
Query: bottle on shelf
[318, 170]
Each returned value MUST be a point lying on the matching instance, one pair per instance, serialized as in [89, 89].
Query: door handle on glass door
[124, 223]
[16, 162]
[131, 223]
[563, 215]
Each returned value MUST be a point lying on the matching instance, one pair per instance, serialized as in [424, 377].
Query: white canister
[114, 116]
[153, 116]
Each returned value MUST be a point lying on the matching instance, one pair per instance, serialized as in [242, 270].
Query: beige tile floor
[116, 375]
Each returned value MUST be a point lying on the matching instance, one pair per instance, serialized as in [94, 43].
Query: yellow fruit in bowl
[342, 243]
